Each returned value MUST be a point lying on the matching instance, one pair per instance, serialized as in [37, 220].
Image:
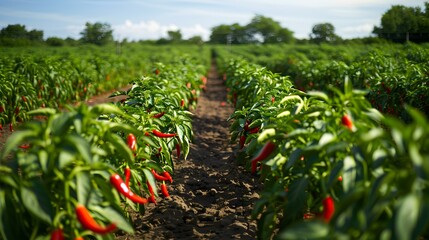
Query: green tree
[174, 36]
[221, 34]
[196, 40]
[401, 23]
[268, 30]
[97, 33]
[17, 35]
[55, 41]
[323, 32]
[15, 31]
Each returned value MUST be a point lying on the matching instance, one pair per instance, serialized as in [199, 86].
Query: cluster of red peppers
[88, 222]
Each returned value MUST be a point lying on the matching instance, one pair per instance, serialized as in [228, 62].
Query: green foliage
[97, 33]
[17, 35]
[261, 29]
[374, 167]
[67, 158]
[324, 33]
[401, 24]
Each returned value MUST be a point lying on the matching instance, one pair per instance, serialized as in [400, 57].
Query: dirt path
[211, 197]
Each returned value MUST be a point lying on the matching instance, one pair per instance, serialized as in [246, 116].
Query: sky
[145, 19]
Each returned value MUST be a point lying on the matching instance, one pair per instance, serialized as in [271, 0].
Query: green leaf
[42, 111]
[349, 170]
[107, 108]
[293, 157]
[406, 218]
[36, 200]
[120, 146]
[83, 187]
[115, 217]
[306, 230]
[81, 145]
[318, 94]
[65, 157]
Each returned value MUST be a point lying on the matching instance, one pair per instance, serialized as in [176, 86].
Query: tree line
[398, 24]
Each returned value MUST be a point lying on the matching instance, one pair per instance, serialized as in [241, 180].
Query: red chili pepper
[25, 146]
[163, 135]
[119, 184]
[24, 98]
[57, 234]
[182, 102]
[178, 150]
[152, 194]
[328, 208]
[340, 178]
[254, 130]
[158, 115]
[242, 141]
[164, 190]
[1, 109]
[127, 176]
[11, 127]
[266, 150]
[89, 223]
[168, 176]
[158, 177]
[132, 142]
[346, 121]
[17, 110]
[78, 238]
[1, 127]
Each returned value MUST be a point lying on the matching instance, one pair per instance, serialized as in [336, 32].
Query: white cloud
[154, 30]
[356, 31]
[142, 30]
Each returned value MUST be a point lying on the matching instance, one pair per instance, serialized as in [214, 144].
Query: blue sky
[144, 19]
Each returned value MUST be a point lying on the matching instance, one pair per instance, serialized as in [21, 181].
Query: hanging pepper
[266, 150]
[119, 184]
[158, 115]
[347, 122]
[178, 150]
[89, 223]
[152, 194]
[163, 135]
[158, 177]
[328, 208]
[164, 190]
[168, 176]
[127, 174]
[132, 142]
[57, 234]
[242, 141]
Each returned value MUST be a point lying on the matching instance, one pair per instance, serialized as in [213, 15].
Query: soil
[211, 197]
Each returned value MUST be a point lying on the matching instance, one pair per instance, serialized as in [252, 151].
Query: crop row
[55, 77]
[333, 167]
[393, 75]
[79, 173]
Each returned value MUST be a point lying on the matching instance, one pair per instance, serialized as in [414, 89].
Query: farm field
[276, 141]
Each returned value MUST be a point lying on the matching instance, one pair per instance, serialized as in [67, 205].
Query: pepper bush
[78, 172]
[338, 168]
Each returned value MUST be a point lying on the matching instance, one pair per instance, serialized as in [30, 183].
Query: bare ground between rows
[211, 196]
